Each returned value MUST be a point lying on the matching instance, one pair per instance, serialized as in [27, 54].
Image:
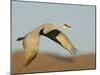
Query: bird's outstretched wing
[62, 39]
[66, 43]
[30, 44]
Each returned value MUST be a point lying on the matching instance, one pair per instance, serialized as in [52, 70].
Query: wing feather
[66, 43]
[30, 44]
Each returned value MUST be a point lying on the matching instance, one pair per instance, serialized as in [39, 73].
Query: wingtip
[28, 58]
[20, 38]
[73, 51]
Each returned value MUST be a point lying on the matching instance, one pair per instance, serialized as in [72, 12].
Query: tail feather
[20, 38]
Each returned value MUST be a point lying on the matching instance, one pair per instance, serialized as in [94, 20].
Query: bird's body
[31, 41]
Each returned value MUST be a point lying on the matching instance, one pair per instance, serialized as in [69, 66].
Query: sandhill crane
[31, 40]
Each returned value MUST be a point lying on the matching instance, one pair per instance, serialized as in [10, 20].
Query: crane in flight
[31, 40]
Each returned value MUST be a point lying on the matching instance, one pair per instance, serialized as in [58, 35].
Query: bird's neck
[39, 29]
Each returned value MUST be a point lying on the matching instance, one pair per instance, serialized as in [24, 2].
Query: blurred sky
[28, 15]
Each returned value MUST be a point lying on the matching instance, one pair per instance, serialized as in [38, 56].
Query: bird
[31, 40]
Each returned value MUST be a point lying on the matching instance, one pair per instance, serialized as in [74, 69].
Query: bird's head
[66, 26]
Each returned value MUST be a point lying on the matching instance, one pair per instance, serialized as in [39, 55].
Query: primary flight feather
[31, 40]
